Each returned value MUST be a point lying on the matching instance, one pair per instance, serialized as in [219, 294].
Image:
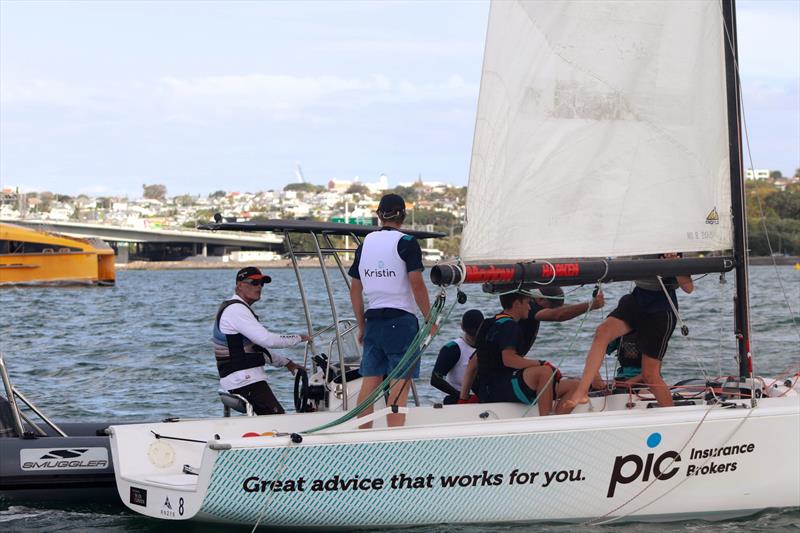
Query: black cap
[391, 205]
[471, 321]
[252, 273]
[552, 293]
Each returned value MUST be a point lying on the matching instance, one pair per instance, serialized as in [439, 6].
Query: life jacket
[490, 357]
[456, 375]
[383, 272]
[236, 352]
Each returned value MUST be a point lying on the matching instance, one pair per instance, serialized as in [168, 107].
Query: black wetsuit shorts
[653, 329]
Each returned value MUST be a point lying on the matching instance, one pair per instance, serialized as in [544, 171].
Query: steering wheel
[301, 404]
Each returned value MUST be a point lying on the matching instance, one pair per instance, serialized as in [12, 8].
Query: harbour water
[141, 351]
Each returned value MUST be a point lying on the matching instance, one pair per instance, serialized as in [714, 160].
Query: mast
[742, 300]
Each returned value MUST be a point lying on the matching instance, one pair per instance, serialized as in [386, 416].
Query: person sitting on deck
[649, 311]
[451, 363]
[547, 305]
[240, 345]
[503, 374]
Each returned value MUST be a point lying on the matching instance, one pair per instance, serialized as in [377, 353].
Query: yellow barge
[32, 257]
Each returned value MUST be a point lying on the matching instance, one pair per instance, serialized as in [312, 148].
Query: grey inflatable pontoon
[49, 462]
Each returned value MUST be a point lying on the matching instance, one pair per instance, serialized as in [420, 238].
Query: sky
[100, 98]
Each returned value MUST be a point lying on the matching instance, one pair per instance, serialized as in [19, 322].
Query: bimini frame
[321, 236]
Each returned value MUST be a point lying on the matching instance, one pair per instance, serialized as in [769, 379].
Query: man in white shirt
[241, 342]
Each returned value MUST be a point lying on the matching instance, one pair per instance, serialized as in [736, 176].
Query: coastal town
[433, 206]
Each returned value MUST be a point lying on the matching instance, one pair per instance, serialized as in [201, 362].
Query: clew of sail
[601, 131]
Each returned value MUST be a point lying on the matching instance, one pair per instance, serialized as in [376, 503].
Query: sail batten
[614, 146]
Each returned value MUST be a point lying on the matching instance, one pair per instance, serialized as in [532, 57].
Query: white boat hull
[495, 468]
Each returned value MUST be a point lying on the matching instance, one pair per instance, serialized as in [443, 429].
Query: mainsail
[601, 131]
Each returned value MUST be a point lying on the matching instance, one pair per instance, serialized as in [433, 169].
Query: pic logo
[629, 468]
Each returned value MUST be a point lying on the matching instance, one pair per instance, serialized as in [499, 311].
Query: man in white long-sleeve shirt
[241, 342]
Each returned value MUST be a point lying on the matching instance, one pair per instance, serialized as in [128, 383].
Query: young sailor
[240, 345]
[648, 311]
[388, 270]
[451, 363]
[503, 374]
[547, 305]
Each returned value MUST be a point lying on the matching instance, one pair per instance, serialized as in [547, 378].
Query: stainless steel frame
[12, 394]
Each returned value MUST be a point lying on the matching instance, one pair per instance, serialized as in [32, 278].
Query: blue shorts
[385, 342]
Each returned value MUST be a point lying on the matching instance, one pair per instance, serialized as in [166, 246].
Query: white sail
[601, 131]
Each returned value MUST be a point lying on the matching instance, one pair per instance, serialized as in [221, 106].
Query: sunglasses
[254, 282]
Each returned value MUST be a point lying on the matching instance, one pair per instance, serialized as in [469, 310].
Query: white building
[757, 174]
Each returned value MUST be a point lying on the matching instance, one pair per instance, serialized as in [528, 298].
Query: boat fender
[461, 297]
[296, 438]
[685, 330]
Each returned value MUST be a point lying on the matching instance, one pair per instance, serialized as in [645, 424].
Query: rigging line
[412, 364]
[763, 218]
[159, 436]
[414, 351]
[720, 304]
[553, 270]
[735, 430]
[692, 347]
[547, 384]
[282, 462]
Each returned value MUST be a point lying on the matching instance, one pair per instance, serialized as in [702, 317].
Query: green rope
[404, 366]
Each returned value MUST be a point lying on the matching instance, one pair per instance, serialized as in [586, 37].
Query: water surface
[141, 351]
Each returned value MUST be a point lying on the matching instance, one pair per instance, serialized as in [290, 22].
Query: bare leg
[368, 385]
[538, 378]
[399, 395]
[566, 387]
[607, 331]
[651, 373]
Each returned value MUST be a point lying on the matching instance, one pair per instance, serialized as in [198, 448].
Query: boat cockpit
[332, 353]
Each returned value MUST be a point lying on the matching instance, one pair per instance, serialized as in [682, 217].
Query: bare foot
[565, 407]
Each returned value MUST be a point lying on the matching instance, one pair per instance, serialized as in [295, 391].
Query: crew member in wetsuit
[547, 305]
[503, 374]
[388, 270]
[453, 358]
[648, 311]
[241, 342]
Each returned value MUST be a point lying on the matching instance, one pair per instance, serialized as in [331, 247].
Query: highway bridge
[160, 244]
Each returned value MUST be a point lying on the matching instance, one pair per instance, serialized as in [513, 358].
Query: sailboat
[604, 129]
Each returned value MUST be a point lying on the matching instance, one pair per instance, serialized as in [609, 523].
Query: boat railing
[18, 416]
[323, 247]
[346, 337]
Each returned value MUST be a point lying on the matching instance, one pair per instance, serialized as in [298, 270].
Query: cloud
[205, 97]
